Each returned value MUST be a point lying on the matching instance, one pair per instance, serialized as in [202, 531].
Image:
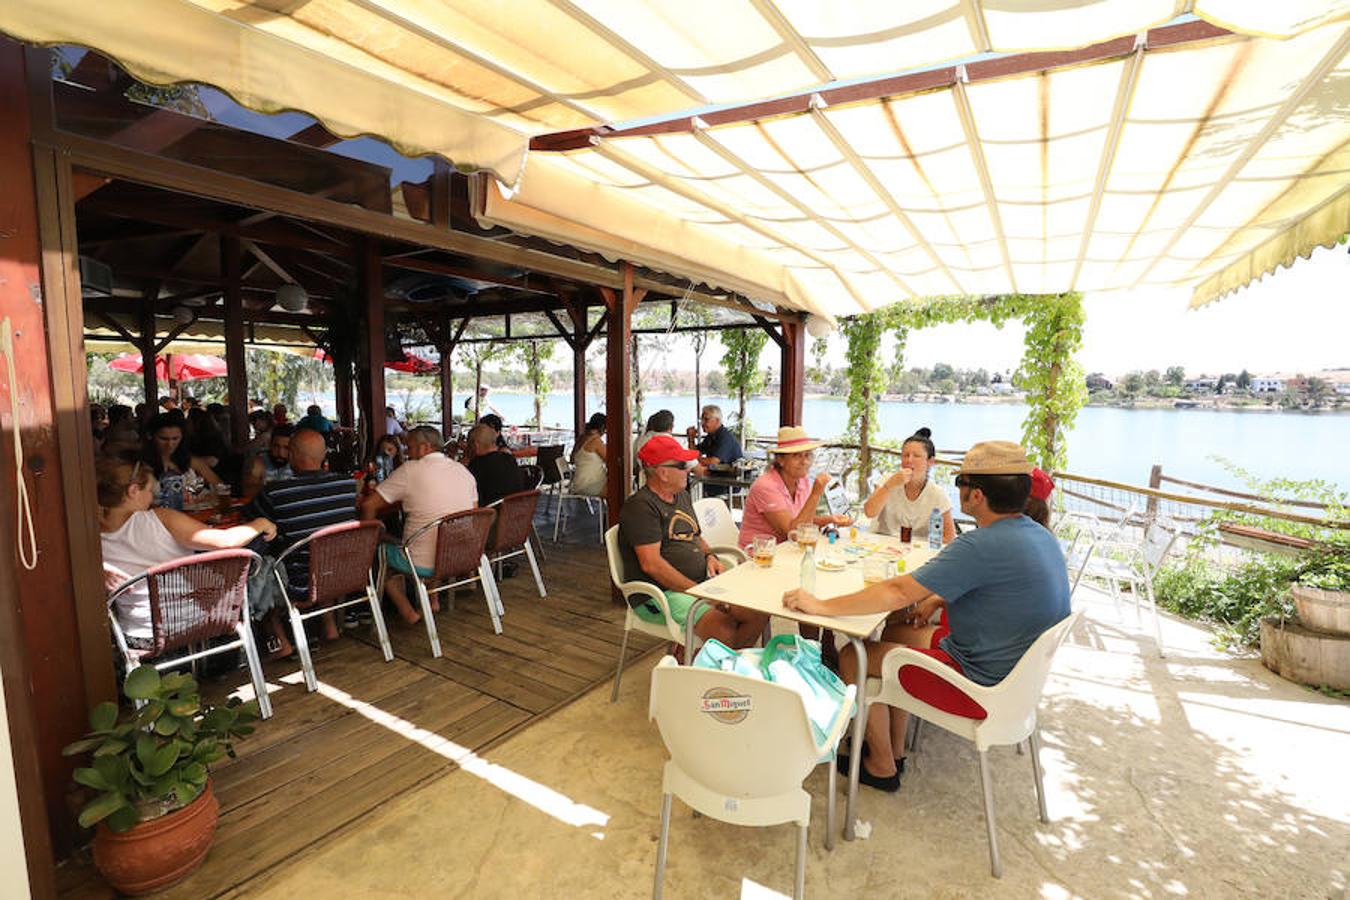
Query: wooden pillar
[793, 373]
[236, 373]
[372, 295]
[447, 389]
[149, 380]
[343, 352]
[579, 345]
[49, 601]
[618, 374]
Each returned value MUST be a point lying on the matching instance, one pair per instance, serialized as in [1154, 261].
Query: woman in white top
[909, 496]
[589, 471]
[136, 537]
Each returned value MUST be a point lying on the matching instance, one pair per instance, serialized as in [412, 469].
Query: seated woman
[908, 498]
[136, 537]
[589, 470]
[1038, 504]
[175, 469]
[784, 497]
[388, 457]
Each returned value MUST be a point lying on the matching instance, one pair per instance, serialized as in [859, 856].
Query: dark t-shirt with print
[647, 519]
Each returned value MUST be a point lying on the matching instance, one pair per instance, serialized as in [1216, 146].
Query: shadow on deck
[374, 730]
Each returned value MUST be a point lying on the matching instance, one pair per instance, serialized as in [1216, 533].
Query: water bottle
[935, 529]
[809, 568]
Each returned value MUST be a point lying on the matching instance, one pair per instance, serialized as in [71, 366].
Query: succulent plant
[151, 760]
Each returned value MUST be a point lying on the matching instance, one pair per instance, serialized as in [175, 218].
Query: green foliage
[741, 364]
[1236, 600]
[277, 377]
[1054, 382]
[867, 379]
[154, 760]
[535, 355]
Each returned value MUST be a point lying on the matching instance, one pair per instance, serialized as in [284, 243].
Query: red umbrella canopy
[411, 363]
[184, 366]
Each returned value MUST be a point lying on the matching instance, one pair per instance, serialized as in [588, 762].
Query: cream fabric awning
[473, 79]
[1183, 165]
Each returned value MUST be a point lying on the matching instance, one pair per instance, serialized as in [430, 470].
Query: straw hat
[996, 458]
[793, 439]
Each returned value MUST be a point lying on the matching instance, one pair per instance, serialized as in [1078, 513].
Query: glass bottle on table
[808, 570]
[935, 529]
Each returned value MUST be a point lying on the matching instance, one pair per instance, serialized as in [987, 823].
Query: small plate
[831, 565]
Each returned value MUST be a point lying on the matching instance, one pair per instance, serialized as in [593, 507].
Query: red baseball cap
[1041, 485]
[663, 450]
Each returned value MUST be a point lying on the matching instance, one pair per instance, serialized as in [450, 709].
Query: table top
[737, 479]
[761, 588]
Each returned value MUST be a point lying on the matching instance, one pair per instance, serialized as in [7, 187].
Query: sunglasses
[962, 481]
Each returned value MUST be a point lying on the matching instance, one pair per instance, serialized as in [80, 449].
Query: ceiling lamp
[818, 326]
[292, 298]
[183, 315]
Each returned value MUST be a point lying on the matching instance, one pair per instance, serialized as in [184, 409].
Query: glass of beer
[906, 534]
[762, 550]
[804, 536]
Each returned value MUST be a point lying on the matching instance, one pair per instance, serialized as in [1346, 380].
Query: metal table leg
[699, 603]
[859, 727]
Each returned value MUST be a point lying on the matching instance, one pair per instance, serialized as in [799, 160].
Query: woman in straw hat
[785, 496]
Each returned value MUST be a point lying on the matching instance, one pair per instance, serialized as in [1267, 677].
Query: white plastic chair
[1010, 706]
[645, 591]
[1120, 563]
[564, 492]
[719, 528]
[744, 765]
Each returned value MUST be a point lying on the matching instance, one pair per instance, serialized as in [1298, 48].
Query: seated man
[430, 485]
[273, 465]
[300, 505]
[661, 542]
[719, 446]
[315, 420]
[1001, 587]
[497, 474]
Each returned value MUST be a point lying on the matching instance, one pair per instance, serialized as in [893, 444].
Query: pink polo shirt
[430, 487]
[769, 493]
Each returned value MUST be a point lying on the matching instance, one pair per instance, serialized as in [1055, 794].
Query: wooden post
[618, 372]
[43, 656]
[1151, 508]
[236, 373]
[149, 380]
[793, 373]
[372, 295]
[579, 345]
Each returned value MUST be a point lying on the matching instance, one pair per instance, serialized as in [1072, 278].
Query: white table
[761, 589]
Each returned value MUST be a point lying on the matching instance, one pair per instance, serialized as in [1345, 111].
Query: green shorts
[394, 558]
[679, 603]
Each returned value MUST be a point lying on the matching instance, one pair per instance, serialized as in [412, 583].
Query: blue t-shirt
[1004, 585]
[722, 444]
[319, 423]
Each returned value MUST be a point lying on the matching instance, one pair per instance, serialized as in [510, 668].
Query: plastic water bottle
[935, 529]
[809, 569]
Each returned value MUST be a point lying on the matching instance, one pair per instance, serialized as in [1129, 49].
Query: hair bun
[924, 433]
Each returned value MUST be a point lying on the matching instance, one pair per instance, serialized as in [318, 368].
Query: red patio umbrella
[181, 367]
[411, 363]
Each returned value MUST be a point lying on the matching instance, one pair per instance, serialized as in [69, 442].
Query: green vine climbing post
[741, 362]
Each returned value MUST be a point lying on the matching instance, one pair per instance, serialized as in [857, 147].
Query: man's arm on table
[884, 596]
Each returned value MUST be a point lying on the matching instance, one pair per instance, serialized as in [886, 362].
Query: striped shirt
[300, 506]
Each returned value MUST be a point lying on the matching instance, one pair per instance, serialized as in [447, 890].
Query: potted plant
[152, 806]
[1322, 590]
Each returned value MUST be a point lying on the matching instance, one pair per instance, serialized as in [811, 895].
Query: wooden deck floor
[377, 729]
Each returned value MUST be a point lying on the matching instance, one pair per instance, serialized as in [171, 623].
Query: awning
[472, 79]
[1198, 163]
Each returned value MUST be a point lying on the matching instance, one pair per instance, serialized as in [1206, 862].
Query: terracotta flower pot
[160, 852]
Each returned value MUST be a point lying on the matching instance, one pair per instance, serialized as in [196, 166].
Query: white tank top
[589, 473]
[140, 543]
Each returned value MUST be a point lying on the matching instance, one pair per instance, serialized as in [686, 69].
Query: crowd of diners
[976, 606]
[164, 475]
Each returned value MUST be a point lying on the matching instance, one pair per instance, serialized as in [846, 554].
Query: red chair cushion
[937, 693]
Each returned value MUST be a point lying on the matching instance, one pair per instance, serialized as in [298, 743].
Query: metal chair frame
[483, 577]
[500, 555]
[298, 616]
[563, 493]
[243, 628]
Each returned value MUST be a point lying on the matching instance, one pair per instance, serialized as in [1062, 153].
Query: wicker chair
[193, 600]
[461, 558]
[340, 561]
[511, 535]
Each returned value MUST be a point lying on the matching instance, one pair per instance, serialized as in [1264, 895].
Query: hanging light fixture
[183, 315]
[292, 298]
[818, 326]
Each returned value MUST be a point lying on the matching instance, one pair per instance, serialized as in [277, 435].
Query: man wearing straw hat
[785, 497]
[1002, 586]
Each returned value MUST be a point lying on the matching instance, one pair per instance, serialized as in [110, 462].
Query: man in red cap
[661, 542]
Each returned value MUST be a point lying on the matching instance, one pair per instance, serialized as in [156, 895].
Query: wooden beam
[169, 338]
[618, 374]
[439, 191]
[435, 267]
[149, 380]
[772, 332]
[236, 373]
[562, 330]
[792, 374]
[372, 298]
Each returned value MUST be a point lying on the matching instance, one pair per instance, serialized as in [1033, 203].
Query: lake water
[1116, 444]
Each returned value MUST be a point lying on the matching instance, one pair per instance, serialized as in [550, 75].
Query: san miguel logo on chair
[725, 705]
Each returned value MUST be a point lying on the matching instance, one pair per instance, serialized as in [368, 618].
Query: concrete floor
[1198, 774]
